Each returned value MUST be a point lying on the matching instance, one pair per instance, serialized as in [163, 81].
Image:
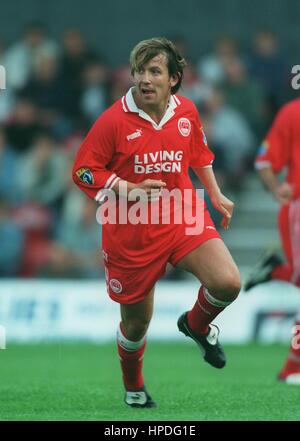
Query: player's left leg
[213, 265]
[290, 373]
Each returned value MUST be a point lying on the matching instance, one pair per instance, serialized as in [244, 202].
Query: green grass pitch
[81, 381]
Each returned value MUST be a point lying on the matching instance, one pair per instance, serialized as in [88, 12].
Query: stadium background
[65, 63]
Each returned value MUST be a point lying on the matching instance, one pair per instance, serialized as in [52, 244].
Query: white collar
[129, 104]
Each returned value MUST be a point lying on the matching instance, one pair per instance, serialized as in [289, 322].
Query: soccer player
[281, 149]
[147, 141]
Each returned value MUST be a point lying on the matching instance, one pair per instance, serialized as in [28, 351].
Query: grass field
[82, 382]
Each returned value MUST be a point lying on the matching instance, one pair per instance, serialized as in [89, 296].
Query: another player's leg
[213, 265]
[271, 265]
[131, 341]
[290, 373]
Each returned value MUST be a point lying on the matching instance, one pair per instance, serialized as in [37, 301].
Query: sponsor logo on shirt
[157, 162]
[85, 175]
[184, 126]
[134, 135]
[116, 286]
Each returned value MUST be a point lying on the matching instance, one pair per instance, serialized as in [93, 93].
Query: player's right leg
[131, 341]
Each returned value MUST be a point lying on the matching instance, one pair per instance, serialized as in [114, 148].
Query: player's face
[153, 82]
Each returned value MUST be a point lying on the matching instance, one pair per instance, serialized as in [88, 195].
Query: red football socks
[131, 359]
[204, 311]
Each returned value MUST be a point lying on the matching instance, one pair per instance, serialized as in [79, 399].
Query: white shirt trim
[259, 165]
[107, 187]
[109, 180]
[123, 105]
[173, 103]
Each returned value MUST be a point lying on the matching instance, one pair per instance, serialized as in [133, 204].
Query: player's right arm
[282, 192]
[91, 171]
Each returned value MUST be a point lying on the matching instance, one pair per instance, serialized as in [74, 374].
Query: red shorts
[135, 264]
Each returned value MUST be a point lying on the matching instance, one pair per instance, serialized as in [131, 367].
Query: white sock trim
[213, 301]
[129, 345]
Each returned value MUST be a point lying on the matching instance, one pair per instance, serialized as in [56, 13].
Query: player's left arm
[220, 202]
[201, 159]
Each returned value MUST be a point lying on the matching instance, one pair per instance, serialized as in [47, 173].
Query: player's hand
[152, 188]
[284, 193]
[225, 206]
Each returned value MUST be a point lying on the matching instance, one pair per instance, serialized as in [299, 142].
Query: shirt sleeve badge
[85, 175]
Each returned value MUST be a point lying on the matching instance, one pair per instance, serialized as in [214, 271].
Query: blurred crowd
[55, 90]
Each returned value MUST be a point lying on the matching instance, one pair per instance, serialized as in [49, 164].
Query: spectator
[44, 173]
[76, 252]
[231, 136]
[21, 58]
[94, 95]
[11, 239]
[9, 177]
[75, 57]
[193, 88]
[7, 104]
[268, 67]
[243, 94]
[35, 222]
[47, 91]
[7, 100]
[23, 125]
[211, 67]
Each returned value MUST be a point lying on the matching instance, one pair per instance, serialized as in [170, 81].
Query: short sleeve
[200, 153]
[275, 150]
[90, 170]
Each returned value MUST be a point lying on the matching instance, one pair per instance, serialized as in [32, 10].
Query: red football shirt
[281, 147]
[126, 143]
